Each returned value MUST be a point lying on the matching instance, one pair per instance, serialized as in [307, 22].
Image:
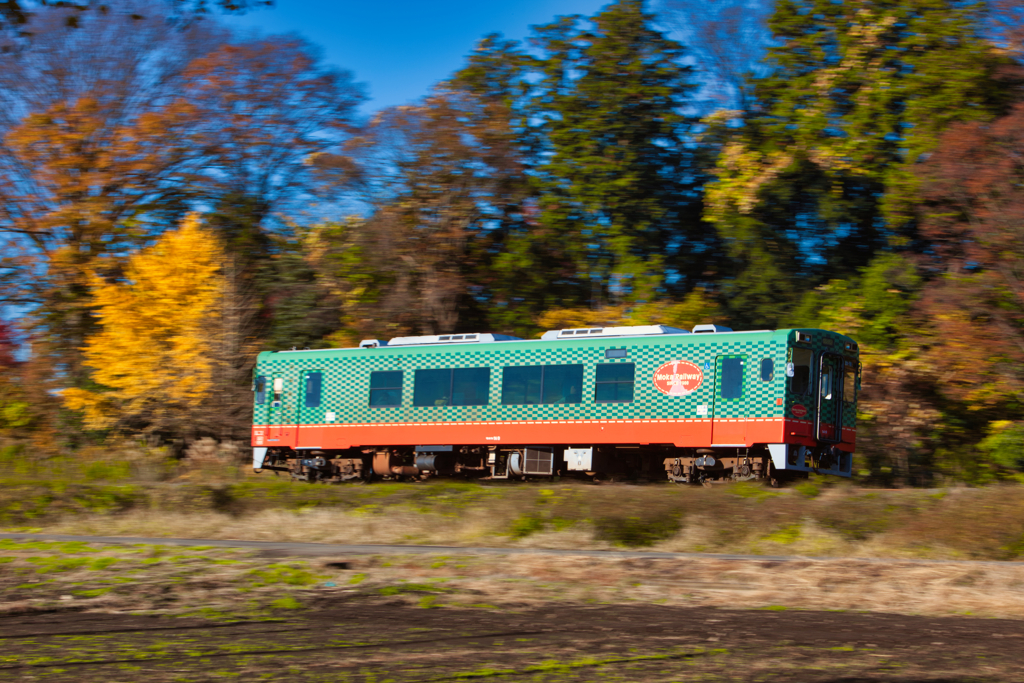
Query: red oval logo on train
[678, 378]
[798, 410]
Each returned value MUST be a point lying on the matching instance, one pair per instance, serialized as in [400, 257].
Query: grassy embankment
[822, 518]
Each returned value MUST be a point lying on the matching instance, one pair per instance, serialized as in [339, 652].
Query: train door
[849, 409]
[309, 412]
[729, 424]
[830, 398]
[278, 430]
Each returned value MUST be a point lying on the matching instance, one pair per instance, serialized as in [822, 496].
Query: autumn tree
[154, 355]
[942, 332]
[271, 118]
[105, 149]
[973, 308]
[555, 176]
[445, 180]
[15, 14]
[819, 179]
[91, 144]
[274, 120]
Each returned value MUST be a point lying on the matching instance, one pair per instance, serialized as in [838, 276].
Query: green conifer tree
[599, 106]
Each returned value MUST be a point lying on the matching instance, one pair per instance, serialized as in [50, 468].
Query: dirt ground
[389, 640]
[75, 611]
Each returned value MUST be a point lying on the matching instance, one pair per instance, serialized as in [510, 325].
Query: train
[645, 402]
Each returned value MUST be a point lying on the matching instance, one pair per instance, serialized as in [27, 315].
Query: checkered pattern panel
[346, 379]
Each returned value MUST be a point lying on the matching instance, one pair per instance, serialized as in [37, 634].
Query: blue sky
[400, 48]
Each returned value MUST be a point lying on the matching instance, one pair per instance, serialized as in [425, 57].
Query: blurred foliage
[1005, 444]
[870, 183]
[15, 411]
[819, 178]
[695, 308]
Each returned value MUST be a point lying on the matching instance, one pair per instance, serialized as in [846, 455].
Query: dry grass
[313, 525]
[995, 590]
[956, 524]
[52, 576]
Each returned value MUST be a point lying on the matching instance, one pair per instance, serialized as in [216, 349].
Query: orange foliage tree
[124, 142]
[968, 345]
[974, 223]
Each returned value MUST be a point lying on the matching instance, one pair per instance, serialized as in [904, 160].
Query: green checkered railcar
[632, 401]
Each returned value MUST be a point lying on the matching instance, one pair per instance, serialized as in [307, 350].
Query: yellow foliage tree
[153, 352]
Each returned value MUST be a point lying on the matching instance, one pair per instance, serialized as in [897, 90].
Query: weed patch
[291, 575]
[785, 536]
[526, 525]
[636, 531]
[287, 602]
[58, 564]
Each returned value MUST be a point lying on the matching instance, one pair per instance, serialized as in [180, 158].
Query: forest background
[176, 197]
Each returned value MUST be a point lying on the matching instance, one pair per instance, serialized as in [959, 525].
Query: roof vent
[710, 329]
[371, 343]
[624, 331]
[472, 338]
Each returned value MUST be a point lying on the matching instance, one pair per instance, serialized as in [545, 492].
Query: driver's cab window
[826, 382]
[800, 382]
[850, 383]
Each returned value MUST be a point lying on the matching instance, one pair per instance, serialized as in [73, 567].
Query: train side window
[432, 388]
[386, 389]
[732, 378]
[521, 385]
[850, 383]
[261, 390]
[314, 383]
[533, 384]
[800, 383]
[563, 384]
[614, 383]
[767, 369]
[470, 386]
[451, 387]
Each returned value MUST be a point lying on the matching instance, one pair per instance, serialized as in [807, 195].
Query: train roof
[555, 338]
